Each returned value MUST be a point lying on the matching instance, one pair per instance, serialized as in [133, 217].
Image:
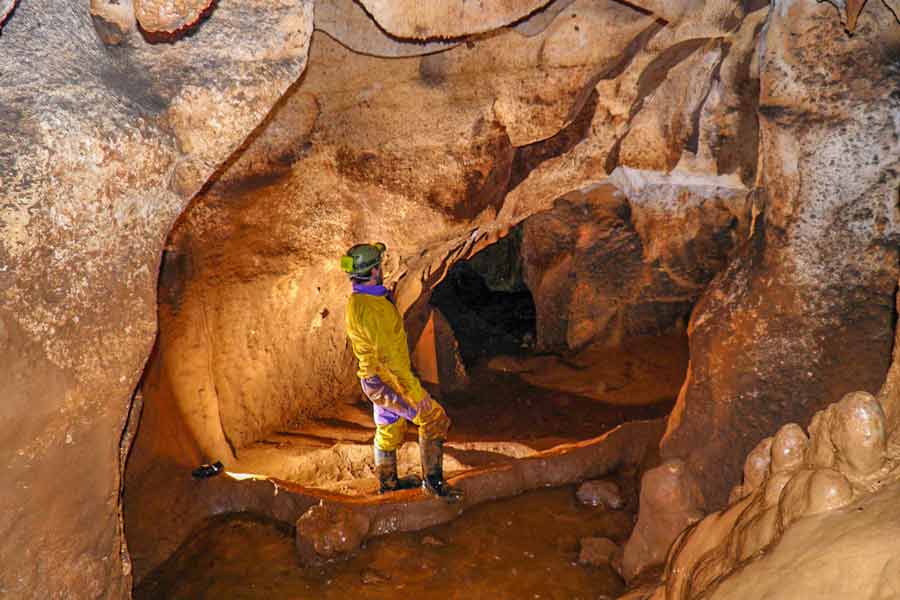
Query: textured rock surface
[251, 303]
[816, 509]
[606, 266]
[339, 524]
[100, 149]
[600, 493]
[597, 551]
[347, 22]
[446, 18]
[670, 501]
[168, 16]
[252, 314]
[804, 314]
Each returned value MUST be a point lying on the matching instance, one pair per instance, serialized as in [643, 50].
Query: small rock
[597, 551]
[595, 493]
[430, 540]
[371, 576]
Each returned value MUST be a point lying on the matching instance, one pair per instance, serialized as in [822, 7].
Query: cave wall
[108, 131]
[805, 314]
[101, 147]
[609, 264]
[251, 302]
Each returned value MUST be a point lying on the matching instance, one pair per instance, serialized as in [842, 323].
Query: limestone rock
[330, 531]
[600, 493]
[670, 501]
[446, 18]
[797, 320]
[798, 495]
[89, 161]
[113, 19]
[607, 266]
[168, 16]
[597, 551]
[347, 22]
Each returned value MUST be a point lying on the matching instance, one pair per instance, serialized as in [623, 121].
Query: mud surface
[525, 547]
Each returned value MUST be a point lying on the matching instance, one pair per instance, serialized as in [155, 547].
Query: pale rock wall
[100, 150]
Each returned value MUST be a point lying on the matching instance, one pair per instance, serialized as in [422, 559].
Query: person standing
[376, 332]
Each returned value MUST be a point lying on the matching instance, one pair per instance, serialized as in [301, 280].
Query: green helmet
[362, 258]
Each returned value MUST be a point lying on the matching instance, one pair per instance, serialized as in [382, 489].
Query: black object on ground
[207, 470]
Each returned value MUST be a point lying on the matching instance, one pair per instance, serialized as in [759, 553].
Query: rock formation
[759, 141]
[802, 495]
[100, 149]
[804, 314]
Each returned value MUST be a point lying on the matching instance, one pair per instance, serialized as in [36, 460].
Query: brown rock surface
[670, 501]
[605, 266]
[446, 18]
[94, 170]
[804, 314]
[339, 524]
[347, 22]
[597, 493]
[597, 551]
[168, 16]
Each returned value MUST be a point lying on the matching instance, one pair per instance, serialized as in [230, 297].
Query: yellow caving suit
[376, 333]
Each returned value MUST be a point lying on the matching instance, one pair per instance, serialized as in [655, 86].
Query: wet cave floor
[523, 547]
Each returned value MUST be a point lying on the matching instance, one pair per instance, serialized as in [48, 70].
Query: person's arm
[363, 332]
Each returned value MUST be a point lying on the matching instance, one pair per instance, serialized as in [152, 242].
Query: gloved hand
[383, 395]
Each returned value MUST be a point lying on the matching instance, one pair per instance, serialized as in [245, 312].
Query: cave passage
[487, 303]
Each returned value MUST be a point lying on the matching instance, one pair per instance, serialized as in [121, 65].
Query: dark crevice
[658, 70]
[693, 142]
[527, 158]
[487, 303]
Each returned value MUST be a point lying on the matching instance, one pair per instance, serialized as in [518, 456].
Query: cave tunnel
[645, 255]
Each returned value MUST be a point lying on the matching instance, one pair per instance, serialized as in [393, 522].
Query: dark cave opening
[487, 303]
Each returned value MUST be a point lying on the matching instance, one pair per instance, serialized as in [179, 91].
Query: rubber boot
[432, 455]
[386, 469]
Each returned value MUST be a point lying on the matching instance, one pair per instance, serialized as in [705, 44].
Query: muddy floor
[524, 547]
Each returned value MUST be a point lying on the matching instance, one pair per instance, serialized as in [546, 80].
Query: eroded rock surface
[605, 266]
[806, 500]
[600, 493]
[799, 319]
[100, 150]
[670, 501]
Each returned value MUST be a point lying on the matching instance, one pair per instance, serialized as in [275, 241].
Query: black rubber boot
[386, 469]
[432, 455]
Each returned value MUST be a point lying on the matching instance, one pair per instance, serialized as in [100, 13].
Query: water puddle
[523, 547]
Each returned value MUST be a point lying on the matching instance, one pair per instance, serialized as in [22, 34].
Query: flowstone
[846, 460]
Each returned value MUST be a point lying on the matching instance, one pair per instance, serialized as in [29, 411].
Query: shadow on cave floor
[512, 407]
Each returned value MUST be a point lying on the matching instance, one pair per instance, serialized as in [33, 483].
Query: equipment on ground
[207, 470]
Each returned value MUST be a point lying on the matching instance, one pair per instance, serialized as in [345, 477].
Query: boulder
[670, 501]
[597, 551]
[600, 493]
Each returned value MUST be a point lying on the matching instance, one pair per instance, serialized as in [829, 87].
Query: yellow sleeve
[363, 339]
